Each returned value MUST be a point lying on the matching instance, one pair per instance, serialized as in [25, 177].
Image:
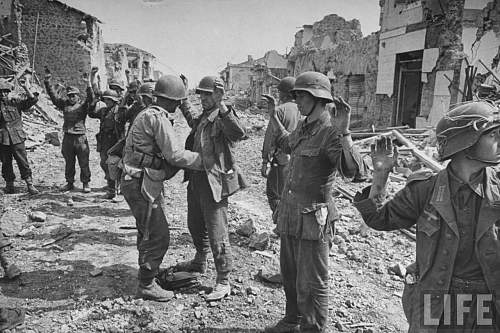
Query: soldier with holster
[320, 147]
[111, 130]
[75, 144]
[457, 217]
[213, 135]
[151, 155]
[12, 136]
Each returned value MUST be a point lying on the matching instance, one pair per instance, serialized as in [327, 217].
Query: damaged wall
[68, 41]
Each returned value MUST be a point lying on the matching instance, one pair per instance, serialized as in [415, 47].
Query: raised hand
[384, 155]
[341, 115]
[271, 104]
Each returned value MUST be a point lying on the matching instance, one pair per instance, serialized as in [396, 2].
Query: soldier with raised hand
[12, 135]
[151, 155]
[75, 144]
[457, 216]
[274, 160]
[320, 147]
[213, 135]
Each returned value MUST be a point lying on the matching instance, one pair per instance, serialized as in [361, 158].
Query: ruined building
[126, 63]
[255, 76]
[336, 47]
[64, 39]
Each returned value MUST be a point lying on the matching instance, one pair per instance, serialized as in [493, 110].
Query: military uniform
[151, 143]
[288, 115]
[75, 143]
[306, 216]
[457, 241]
[12, 137]
[111, 130]
[213, 136]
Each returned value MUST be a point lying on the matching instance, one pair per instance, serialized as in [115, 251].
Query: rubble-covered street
[79, 264]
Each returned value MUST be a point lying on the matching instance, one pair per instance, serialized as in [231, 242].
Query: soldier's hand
[341, 115]
[48, 74]
[271, 101]
[94, 70]
[184, 80]
[264, 170]
[384, 155]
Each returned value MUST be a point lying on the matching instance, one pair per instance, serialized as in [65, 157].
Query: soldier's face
[109, 102]
[488, 146]
[207, 100]
[305, 102]
[73, 98]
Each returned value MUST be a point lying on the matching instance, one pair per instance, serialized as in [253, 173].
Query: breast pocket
[310, 152]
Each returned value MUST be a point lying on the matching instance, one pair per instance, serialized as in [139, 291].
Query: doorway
[409, 88]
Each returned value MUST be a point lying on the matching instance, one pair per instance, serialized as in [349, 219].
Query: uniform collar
[476, 183]
[312, 124]
[211, 114]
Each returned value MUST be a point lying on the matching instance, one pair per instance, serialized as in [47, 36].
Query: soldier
[75, 143]
[213, 136]
[320, 146]
[12, 136]
[456, 213]
[143, 99]
[151, 148]
[275, 161]
[111, 130]
[117, 86]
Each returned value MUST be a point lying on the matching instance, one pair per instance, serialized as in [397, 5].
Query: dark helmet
[463, 125]
[112, 95]
[286, 84]
[146, 89]
[116, 84]
[171, 87]
[209, 84]
[6, 85]
[72, 90]
[315, 83]
[134, 85]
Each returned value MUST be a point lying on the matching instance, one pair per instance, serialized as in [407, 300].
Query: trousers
[275, 183]
[304, 270]
[152, 251]
[17, 152]
[76, 146]
[208, 225]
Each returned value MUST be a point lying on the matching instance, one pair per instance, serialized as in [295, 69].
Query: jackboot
[10, 318]
[31, 188]
[219, 292]
[194, 265]
[9, 188]
[153, 292]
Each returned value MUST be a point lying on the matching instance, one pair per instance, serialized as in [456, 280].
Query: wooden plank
[366, 140]
[428, 161]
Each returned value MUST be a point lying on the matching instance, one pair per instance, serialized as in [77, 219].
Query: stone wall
[68, 41]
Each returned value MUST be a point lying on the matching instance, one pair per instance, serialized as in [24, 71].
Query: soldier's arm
[187, 113]
[29, 101]
[231, 127]
[343, 154]
[57, 101]
[169, 145]
[267, 144]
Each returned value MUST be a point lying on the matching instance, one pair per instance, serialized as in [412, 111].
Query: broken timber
[428, 161]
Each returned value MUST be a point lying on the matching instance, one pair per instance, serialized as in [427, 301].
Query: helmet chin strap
[313, 107]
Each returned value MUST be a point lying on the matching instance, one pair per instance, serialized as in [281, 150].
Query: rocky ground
[80, 264]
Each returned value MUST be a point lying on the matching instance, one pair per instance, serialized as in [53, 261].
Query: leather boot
[197, 265]
[31, 188]
[67, 187]
[86, 188]
[283, 326]
[9, 188]
[219, 292]
[153, 292]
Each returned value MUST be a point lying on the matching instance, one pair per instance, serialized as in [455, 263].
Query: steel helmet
[5, 85]
[112, 95]
[146, 89]
[286, 84]
[315, 83]
[463, 125]
[134, 85]
[72, 90]
[117, 84]
[209, 84]
[171, 87]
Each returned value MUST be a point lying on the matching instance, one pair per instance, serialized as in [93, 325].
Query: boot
[10, 318]
[12, 272]
[86, 188]
[153, 292]
[68, 187]
[283, 326]
[219, 292]
[191, 266]
[31, 188]
[111, 194]
[9, 188]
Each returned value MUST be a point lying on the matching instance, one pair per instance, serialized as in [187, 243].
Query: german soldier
[75, 143]
[457, 215]
[152, 154]
[143, 99]
[213, 136]
[319, 146]
[12, 136]
[274, 161]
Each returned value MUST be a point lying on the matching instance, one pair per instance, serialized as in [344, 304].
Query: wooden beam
[428, 161]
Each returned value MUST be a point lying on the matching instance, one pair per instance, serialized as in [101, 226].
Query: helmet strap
[313, 107]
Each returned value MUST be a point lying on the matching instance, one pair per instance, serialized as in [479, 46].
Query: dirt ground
[85, 234]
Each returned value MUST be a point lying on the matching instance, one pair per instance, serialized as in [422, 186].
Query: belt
[459, 283]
